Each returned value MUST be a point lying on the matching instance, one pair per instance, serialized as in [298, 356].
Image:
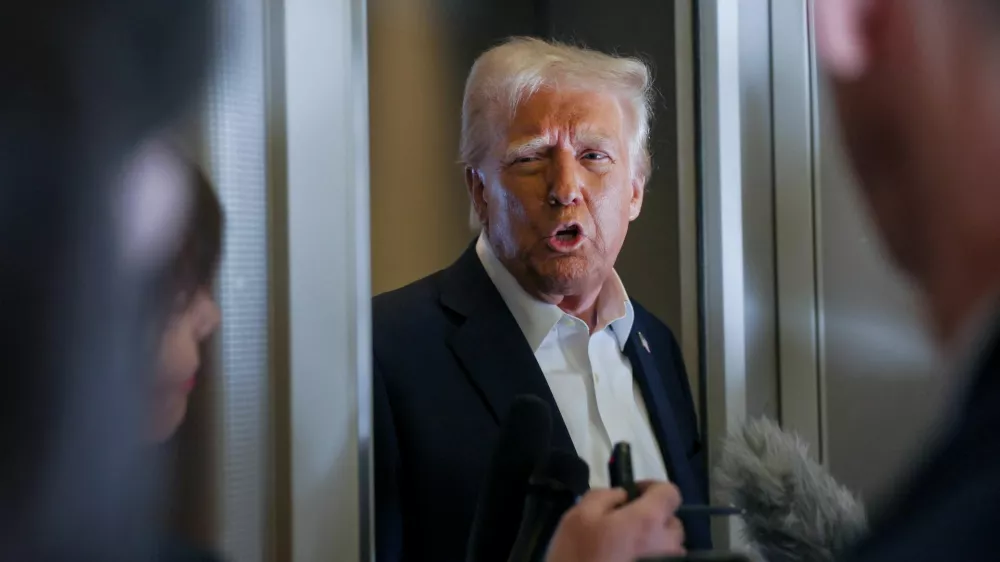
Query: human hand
[600, 529]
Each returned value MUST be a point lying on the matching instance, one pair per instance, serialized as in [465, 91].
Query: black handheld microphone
[521, 447]
[620, 470]
[621, 476]
[553, 489]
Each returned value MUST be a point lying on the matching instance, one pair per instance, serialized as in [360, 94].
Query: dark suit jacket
[449, 358]
[951, 509]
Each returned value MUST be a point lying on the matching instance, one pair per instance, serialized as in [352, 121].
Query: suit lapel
[661, 413]
[491, 346]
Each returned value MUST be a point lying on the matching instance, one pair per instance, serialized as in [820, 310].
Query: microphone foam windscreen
[795, 510]
[522, 445]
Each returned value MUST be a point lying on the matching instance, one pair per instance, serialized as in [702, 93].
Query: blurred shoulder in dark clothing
[950, 509]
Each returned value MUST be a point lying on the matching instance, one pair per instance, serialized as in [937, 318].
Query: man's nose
[565, 187]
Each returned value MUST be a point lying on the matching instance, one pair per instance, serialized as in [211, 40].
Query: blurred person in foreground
[555, 147]
[917, 87]
[82, 250]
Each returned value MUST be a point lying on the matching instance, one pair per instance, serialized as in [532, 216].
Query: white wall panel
[329, 316]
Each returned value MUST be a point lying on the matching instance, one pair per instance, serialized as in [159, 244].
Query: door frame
[318, 76]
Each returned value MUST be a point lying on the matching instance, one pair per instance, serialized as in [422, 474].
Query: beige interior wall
[419, 207]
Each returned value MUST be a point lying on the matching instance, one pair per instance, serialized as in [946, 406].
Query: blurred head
[917, 86]
[194, 315]
[554, 141]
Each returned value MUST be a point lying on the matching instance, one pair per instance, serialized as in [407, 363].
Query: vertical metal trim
[815, 185]
[699, 149]
[794, 221]
[361, 207]
[236, 131]
[775, 247]
[687, 192]
[279, 492]
[758, 204]
[725, 315]
[326, 95]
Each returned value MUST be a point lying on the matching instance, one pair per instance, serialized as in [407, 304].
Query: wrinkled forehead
[549, 117]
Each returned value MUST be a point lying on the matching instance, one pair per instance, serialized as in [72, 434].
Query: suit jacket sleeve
[388, 513]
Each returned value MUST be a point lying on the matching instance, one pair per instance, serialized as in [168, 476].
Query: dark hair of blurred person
[86, 83]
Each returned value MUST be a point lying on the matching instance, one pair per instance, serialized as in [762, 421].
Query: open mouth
[566, 238]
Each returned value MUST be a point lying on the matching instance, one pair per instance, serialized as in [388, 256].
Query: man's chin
[565, 275]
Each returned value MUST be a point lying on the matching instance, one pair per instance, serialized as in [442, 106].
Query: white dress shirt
[589, 374]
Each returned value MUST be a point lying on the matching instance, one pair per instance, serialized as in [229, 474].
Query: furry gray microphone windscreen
[795, 510]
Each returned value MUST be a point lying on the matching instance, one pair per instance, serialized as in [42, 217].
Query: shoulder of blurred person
[915, 86]
[948, 508]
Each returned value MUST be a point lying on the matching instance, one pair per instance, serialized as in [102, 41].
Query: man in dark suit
[917, 83]
[554, 144]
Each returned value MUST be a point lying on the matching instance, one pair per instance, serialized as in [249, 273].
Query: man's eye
[597, 156]
[525, 159]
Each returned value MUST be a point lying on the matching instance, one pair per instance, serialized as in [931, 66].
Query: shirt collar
[536, 318]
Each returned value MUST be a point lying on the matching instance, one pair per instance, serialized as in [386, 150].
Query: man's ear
[638, 192]
[841, 42]
[476, 187]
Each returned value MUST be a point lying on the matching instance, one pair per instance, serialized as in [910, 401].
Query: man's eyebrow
[533, 145]
[525, 147]
[596, 140]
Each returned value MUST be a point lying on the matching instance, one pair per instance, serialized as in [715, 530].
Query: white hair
[505, 76]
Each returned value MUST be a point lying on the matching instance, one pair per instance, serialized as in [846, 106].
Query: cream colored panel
[419, 202]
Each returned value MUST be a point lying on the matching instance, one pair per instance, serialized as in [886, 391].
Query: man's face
[556, 194]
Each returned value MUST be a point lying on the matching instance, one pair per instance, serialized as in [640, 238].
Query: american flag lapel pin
[645, 344]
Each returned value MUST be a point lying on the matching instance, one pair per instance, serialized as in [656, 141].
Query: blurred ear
[841, 43]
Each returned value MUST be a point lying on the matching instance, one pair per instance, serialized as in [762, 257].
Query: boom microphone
[554, 488]
[522, 446]
[794, 510]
